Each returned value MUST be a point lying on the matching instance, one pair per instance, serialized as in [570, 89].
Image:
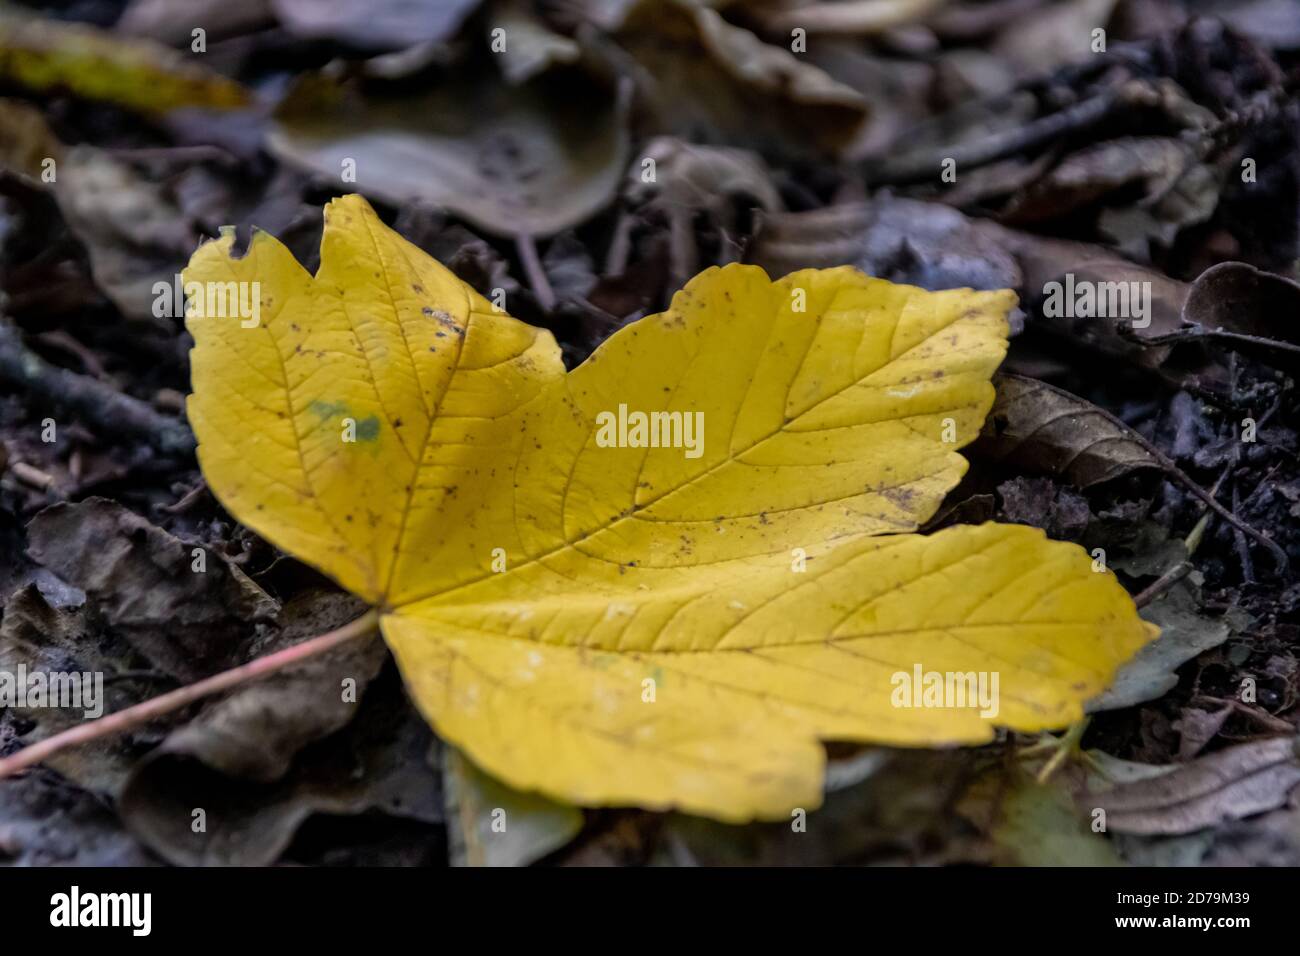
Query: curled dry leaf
[1044, 429]
[614, 623]
[1246, 309]
[1227, 785]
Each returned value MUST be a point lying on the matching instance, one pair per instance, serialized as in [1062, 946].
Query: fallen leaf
[376, 24]
[44, 639]
[1033, 824]
[531, 46]
[1037, 427]
[48, 55]
[169, 23]
[1239, 307]
[699, 71]
[1185, 632]
[1197, 727]
[255, 731]
[377, 763]
[134, 234]
[540, 588]
[1055, 34]
[697, 177]
[1178, 190]
[925, 244]
[675, 182]
[143, 581]
[1228, 785]
[489, 824]
[534, 159]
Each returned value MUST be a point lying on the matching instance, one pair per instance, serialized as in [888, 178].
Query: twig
[97, 402]
[914, 166]
[155, 707]
[1257, 714]
[1168, 465]
[1162, 584]
[534, 272]
[31, 475]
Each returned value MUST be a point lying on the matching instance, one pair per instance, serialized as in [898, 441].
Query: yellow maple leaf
[662, 578]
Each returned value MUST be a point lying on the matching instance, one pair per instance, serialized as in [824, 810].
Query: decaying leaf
[611, 622]
[488, 824]
[925, 244]
[1030, 823]
[701, 72]
[1246, 309]
[378, 763]
[1227, 785]
[143, 582]
[532, 46]
[1185, 631]
[133, 232]
[46, 55]
[1036, 426]
[532, 159]
[377, 24]
[37, 636]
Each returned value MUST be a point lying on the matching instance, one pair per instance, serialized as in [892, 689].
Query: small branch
[31, 475]
[915, 166]
[1163, 584]
[535, 272]
[156, 707]
[98, 403]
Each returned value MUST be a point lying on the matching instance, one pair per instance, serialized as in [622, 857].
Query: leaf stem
[155, 707]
